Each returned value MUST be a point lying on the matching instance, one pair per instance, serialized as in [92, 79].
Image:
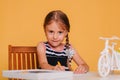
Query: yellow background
[21, 23]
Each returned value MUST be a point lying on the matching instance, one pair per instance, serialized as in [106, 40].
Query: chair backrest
[22, 57]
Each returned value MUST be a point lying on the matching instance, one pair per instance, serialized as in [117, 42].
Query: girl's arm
[43, 63]
[82, 65]
[41, 49]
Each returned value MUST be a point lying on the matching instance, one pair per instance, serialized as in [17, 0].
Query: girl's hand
[59, 68]
[81, 69]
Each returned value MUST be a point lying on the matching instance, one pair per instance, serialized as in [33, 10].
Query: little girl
[54, 50]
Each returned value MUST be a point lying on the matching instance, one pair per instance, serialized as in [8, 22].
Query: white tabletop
[40, 74]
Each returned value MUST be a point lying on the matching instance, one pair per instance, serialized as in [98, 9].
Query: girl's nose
[55, 36]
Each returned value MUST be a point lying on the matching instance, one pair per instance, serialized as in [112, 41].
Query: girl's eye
[50, 31]
[60, 32]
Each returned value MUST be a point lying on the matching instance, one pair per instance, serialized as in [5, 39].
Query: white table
[40, 74]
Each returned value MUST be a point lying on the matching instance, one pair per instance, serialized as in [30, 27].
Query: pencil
[66, 68]
[58, 63]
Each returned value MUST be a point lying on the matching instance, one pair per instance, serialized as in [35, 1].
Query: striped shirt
[54, 56]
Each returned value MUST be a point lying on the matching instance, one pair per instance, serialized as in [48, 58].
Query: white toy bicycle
[109, 59]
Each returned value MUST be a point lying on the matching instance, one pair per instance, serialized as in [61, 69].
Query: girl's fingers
[59, 68]
[80, 69]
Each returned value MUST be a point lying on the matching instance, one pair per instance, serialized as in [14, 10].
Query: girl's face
[55, 34]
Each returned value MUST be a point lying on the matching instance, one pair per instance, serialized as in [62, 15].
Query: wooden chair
[22, 57]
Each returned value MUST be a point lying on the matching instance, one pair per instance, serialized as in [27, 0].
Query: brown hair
[61, 17]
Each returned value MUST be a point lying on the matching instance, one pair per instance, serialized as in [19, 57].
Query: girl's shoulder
[41, 45]
[72, 47]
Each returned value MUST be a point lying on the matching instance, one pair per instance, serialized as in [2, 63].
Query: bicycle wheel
[104, 65]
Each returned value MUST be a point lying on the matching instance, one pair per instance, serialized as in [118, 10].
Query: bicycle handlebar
[112, 38]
